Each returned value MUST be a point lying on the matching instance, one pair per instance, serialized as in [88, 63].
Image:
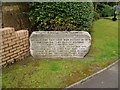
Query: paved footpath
[106, 79]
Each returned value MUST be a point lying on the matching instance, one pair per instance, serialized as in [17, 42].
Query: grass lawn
[59, 73]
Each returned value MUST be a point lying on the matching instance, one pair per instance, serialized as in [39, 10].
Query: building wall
[12, 15]
[0, 15]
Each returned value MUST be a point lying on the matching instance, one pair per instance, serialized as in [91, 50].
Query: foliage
[61, 16]
[96, 16]
[105, 10]
[112, 3]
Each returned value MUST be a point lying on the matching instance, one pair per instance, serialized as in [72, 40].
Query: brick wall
[14, 45]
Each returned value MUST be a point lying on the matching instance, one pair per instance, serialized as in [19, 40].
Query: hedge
[96, 16]
[61, 16]
[105, 10]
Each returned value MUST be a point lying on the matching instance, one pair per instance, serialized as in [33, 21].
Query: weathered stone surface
[59, 44]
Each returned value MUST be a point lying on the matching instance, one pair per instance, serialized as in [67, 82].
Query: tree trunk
[96, 5]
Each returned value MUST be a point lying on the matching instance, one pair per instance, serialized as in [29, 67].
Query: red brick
[20, 47]
[4, 39]
[6, 36]
[26, 44]
[5, 46]
[4, 53]
[16, 45]
[12, 43]
[22, 43]
[16, 39]
[10, 29]
[9, 54]
[26, 50]
[5, 59]
[8, 48]
[3, 63]
[3, 56]
[14, 55]
[7, 30]
[20, 52]
[1, 40]
[13, 49]
[11, 37]
[6, 42]
[17, 57]
[10, 60]
[16, 51]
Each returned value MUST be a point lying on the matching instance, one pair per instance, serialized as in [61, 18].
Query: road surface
[106, 79]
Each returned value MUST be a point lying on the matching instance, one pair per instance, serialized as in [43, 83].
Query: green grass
[59, 73]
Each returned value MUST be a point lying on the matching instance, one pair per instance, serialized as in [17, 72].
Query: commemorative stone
[59, 44]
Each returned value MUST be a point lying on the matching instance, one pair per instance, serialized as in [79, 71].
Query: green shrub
[105, 10]
[61, 16]
[96, 15]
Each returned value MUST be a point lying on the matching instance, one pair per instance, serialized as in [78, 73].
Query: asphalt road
[106, 79]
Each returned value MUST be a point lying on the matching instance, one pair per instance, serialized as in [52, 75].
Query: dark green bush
[96, 16]
[61, 16]
[105, 10]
